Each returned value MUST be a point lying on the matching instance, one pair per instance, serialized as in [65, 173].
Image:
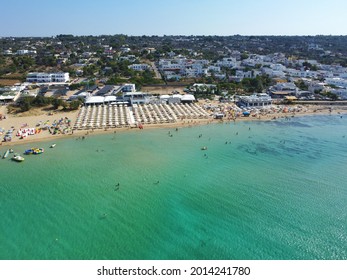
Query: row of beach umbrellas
[102, 116]
[163, 113]
[113, 115]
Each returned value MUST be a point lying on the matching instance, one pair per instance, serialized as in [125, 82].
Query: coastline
[44, 136]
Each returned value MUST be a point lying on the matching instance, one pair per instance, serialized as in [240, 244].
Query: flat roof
[256, 98]
[188, 97]
[135, 93]
[110, 98]
[95, 99]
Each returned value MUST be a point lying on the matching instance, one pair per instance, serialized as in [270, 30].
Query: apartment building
[139, 67]
[38, 77]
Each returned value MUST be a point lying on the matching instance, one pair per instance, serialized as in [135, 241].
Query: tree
[23, 62]
[75, 104]
[25, 103]
[57, 103]
[252, 85]
[40, 101]
[64, 104]
[244, 55]
[89, 70]
[75, 86]
[301, 85]
[46, 60]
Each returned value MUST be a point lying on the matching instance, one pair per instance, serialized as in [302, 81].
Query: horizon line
[173, 35]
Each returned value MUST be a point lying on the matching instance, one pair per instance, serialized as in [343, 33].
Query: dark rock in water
[103, 216]
[292, 124]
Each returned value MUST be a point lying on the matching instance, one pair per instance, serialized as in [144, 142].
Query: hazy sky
[173, 17]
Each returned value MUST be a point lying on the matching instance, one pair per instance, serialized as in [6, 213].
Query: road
[155, 69]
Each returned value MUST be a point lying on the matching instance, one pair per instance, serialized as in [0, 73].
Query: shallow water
[262, 190]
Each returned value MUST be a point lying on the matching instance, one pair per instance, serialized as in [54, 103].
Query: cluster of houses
[324, 78]
[234, 66]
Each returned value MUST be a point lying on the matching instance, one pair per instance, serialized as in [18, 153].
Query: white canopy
[188, 97]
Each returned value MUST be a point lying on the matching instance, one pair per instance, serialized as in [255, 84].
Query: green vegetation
[28, 102]
[301, 85]
[330, 95]
[23, 63]
[257, 84]
[90, 83]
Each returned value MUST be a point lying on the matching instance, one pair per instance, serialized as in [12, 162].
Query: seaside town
[66, 84]
[184, 139]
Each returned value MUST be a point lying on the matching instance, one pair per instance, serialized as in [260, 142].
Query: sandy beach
[31, 121]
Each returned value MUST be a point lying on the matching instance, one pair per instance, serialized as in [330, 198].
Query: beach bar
[257, 100]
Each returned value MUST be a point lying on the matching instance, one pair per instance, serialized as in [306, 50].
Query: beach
[17, 121]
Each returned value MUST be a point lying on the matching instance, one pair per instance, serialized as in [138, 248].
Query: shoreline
[46, 136]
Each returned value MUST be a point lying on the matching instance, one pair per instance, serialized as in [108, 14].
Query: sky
[172, 17]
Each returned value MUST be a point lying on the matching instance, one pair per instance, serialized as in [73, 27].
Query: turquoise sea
[261, 190]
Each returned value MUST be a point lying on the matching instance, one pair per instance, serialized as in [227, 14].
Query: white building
[285, 87]
[256, 100]
[228, 62]
[215, 69]
[249, 74]
[278, 67]
[301, 74]
[129, 88]
[136, 97]
[183, 66]
[272, 72]
[130, 58]
[139, 67]
[7, 52]
[24, 52]
[36, 77]
[338, 82]
[125, 49]
[315, 86]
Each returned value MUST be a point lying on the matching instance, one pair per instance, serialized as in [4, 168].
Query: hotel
[36, 77]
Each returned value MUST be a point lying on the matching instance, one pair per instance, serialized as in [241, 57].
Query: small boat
[34, 151]
[6, 154]
[18, 158]
[11, 150]
[37, 151]
[29, 152]
[53, 145]
[204, 148]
